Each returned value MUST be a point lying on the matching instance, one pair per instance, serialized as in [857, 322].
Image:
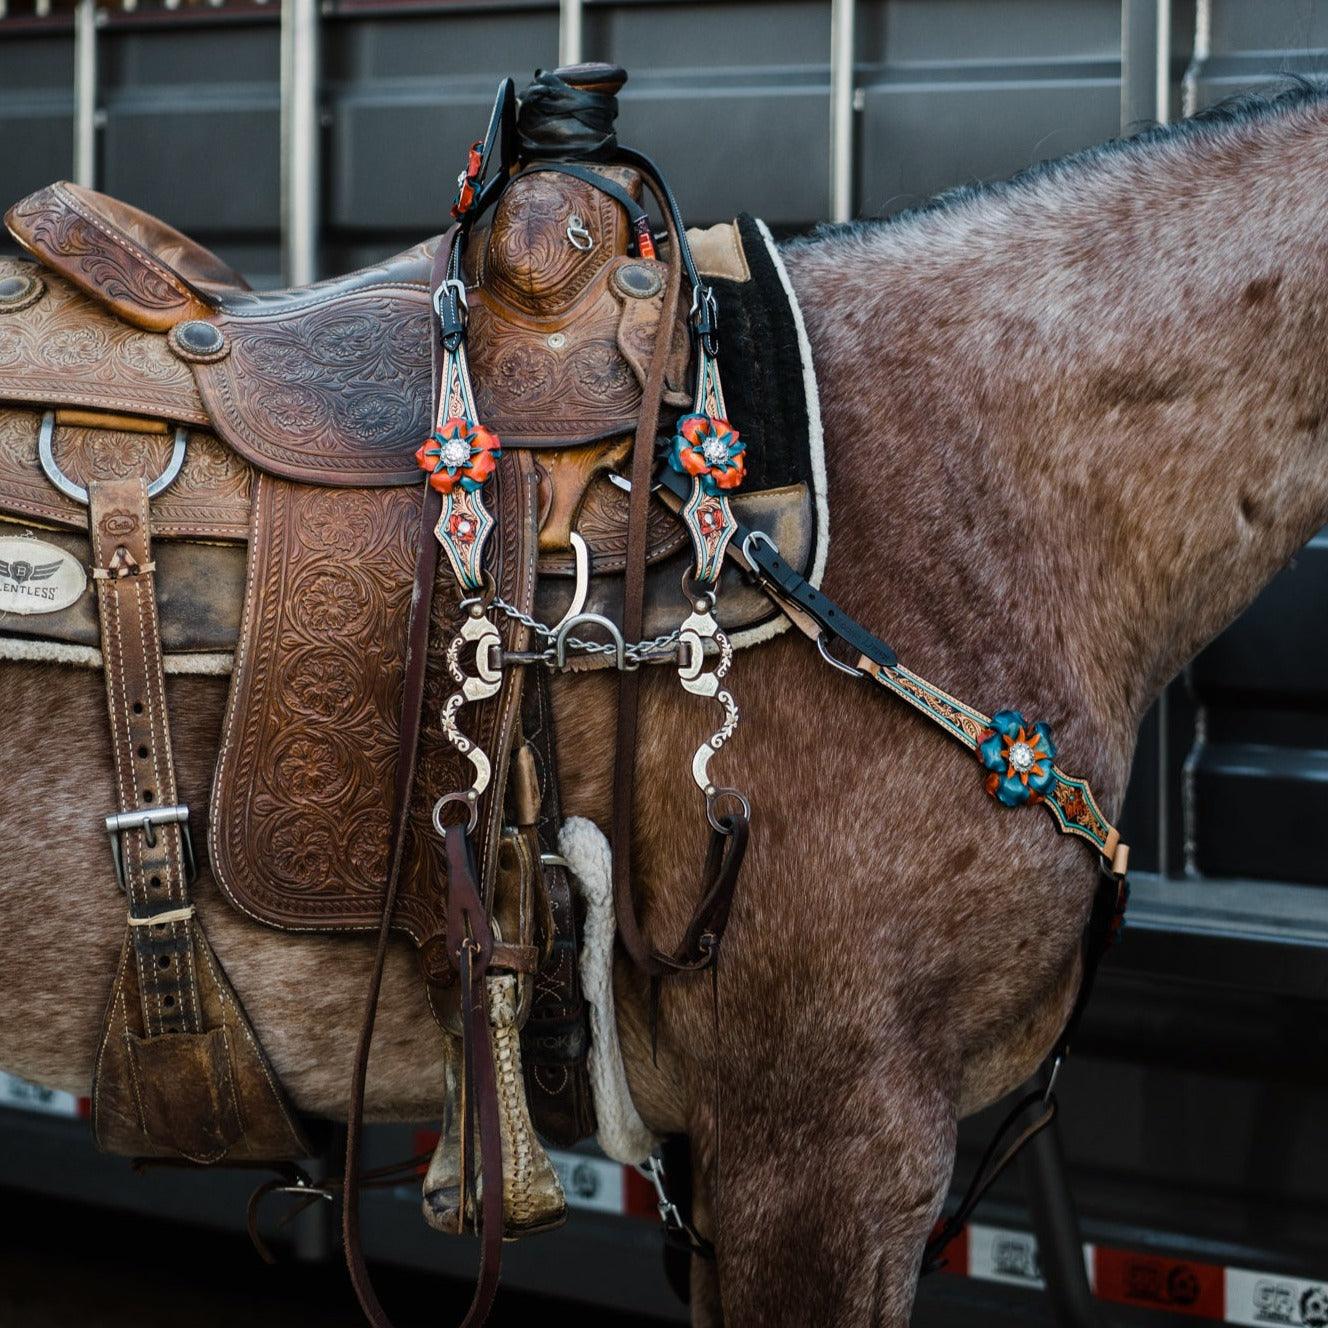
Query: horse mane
[1212, 124]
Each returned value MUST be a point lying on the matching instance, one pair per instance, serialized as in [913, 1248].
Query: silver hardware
[581, 552]
[577, 235]
[46, 454]
[147, 820]
[754, 537]
[638, 652]
[1051, 1079]
[555, 860]
[470, 799]
[839, 664]
[555, 341]
[456, 286]
[561, 637]
[653, 1170]
[697, 629]
[626, 485]
[484, 682]
[713, 799]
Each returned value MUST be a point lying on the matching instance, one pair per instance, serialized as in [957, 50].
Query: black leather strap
[637, 216]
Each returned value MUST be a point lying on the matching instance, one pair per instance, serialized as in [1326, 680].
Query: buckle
[147, 820]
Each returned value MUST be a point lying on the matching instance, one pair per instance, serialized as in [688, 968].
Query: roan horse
[1075, 422]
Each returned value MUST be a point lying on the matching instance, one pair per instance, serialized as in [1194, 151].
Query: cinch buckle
[147, 820]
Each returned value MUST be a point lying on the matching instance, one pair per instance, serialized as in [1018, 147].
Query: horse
[1075, 421]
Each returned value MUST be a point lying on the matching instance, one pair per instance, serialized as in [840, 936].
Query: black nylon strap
[770, 567]
[635, 212]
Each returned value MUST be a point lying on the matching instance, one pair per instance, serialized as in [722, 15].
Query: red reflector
[638, 1195]
[1180, 1286]
[955, 1258]
[424, 1141]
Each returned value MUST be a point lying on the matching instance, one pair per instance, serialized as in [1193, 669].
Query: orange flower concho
[459, 453]
[709, 449]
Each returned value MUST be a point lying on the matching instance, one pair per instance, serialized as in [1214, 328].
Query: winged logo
[21, 571]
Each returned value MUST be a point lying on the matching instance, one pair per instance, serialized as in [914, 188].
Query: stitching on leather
[159, 726]
[159, 745]
[73, 396]
[116, 1003]
[217, 838]
[116, 236]
[108, 599]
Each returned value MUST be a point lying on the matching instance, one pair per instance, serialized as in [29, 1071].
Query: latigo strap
[180, 1075]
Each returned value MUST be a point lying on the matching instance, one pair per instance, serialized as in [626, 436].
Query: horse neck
[1074, 425]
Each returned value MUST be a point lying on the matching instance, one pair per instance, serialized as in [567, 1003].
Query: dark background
[1193, 1113]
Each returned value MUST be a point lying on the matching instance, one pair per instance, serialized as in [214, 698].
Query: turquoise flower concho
[1019, 756]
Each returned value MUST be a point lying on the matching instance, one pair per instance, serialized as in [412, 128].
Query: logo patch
[36, 577]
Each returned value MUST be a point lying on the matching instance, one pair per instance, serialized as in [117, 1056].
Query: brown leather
[145, 271]
[325, 383]
[210, 499]
[328, 388]
[199, 613]
[633, 616]
[303, 796]
[66, 349]
[180, 1073]
[555, 1039]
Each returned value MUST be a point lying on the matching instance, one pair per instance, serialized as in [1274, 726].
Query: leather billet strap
[153, 861]
[180, 1075]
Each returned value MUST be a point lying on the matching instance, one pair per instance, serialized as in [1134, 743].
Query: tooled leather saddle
[238, 475]
[239, 472]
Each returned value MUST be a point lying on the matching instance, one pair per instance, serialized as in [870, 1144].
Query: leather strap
[480, 1115]
[180, 1075]
[555, 1040]
[152, 856]
[642, 954]
[412, 712]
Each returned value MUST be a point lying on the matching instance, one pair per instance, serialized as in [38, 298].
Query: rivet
[555, 341]
[19, 291]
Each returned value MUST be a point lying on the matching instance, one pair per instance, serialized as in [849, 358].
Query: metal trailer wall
[1192, 1121]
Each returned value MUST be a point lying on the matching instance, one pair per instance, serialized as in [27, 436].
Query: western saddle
[241, 471]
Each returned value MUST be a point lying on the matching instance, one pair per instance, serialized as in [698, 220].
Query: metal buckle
[823, 646]
[653, 1170]
[146, 821]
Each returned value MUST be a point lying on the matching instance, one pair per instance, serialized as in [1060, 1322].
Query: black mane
[1241, 109]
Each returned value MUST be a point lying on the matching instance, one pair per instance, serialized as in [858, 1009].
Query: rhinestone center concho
[1022, 756]
[715, 451]
[455, 454]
